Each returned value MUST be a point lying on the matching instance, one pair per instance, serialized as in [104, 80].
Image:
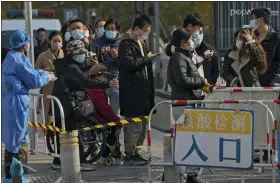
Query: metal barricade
[262, 127]
[36, 98]
[70, 161]
[193, 102]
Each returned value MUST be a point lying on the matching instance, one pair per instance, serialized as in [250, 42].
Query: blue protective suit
[18, 77]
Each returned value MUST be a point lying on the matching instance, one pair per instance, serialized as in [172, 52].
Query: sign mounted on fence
[215, 138]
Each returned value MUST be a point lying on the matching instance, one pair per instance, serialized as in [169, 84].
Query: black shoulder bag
[82, 108]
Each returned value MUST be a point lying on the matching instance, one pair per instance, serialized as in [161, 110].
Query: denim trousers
[113, 94]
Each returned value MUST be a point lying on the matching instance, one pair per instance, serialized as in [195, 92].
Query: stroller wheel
[110, 161]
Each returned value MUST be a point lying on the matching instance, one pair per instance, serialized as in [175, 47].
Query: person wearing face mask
[18, 77]
[245, 61]
[105, 112]
[182, 74]
[204, 53]
[45, 62]
[183, 77]
[99, 28]
[109, 44]
[270, 41]
[65, 33]
[135, 86]
[76, 78]
[78, 30]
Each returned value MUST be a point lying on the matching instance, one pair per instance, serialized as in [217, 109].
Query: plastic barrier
[193, 102]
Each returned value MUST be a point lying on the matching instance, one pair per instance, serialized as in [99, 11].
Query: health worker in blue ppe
[18, 77]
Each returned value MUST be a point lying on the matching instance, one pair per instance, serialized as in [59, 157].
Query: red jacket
[104, 112]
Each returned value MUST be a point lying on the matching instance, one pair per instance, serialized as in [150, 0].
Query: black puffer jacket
[76, 79]
[183, 76]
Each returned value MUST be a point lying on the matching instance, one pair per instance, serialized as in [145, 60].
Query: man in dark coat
[210, 66]
[41, 43]
[270, 41]
[135, 86]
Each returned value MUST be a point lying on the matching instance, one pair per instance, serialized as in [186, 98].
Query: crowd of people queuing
[115, 72]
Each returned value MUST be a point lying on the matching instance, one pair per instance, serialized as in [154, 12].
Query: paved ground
[124, 173]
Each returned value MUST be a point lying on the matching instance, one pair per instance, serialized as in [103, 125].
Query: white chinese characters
[203, 121]
[238, 123]
[221, 122]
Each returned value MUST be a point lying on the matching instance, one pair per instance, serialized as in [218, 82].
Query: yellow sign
[217, 121]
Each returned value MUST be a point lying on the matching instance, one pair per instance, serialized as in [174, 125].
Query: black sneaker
[134, 160]
[140, 157]
[56, 164]
[195, 179]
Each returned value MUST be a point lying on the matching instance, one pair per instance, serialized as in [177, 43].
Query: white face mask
[253, 24]
[86, 33]
[239, 44]
[67, 36]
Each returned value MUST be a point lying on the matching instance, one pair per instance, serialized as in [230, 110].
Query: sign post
[29, 30]
[220, 138]
[157, 45]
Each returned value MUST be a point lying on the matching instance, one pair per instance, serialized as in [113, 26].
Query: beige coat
[45, 62]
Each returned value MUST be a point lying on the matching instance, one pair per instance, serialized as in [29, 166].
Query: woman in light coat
[245, 61]
[45, 62]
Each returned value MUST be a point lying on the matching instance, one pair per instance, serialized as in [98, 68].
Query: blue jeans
[113, 94]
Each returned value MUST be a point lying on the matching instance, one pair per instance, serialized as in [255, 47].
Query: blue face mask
[111, 34]
[197, 38]
[143, 37]
[100, 31]
[80, 58]
[77, 34]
